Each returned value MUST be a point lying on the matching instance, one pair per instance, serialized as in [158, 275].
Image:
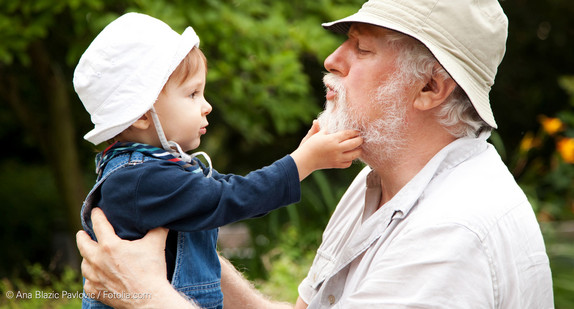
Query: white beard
[384, 136]
[336, 116]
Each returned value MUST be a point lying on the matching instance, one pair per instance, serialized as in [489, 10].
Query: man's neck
[395, 172]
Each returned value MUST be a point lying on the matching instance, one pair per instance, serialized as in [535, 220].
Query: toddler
[143, 85]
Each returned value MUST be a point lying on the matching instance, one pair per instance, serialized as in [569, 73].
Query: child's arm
[166, 195]
[320, 150]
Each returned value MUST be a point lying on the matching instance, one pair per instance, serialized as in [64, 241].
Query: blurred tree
[264, 81]
[538, 52]
[35, 84]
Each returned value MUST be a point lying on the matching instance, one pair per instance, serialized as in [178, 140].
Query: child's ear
[144, 122]
[434, 92]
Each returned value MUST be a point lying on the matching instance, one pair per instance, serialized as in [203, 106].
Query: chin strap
[207, 158]
[174, 147]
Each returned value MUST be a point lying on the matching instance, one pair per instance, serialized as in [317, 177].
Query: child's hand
[320, 150]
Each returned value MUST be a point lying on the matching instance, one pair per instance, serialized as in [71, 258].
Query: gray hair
[456, 114]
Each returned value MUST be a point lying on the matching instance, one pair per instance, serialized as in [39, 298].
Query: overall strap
[116, 163]
[118, 156]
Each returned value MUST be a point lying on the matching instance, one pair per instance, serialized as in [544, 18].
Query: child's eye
[194, 94]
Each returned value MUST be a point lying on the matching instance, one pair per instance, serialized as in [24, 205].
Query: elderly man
[435, 220]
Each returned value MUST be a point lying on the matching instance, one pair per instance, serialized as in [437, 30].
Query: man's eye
[362, 51]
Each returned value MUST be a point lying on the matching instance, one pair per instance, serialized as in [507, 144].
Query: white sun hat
[121, 74]
[468, 38]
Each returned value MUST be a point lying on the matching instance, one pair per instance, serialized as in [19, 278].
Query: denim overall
[197, 271]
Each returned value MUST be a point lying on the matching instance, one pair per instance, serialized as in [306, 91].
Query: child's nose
[207, 108]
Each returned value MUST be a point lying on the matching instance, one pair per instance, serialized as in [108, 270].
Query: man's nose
[337, 62]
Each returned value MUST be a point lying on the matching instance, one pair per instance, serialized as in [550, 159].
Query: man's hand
[126, 274]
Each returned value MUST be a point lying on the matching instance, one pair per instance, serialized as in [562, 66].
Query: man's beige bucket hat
[468, 37]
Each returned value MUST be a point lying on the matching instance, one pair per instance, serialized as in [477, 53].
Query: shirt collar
[447, 158]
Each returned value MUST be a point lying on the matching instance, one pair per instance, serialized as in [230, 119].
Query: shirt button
[331, 300]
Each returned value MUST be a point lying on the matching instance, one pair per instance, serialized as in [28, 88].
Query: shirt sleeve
[443, 266]
[160, 193]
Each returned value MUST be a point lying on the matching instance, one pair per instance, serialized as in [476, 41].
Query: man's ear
[143, 123]
[436, 90]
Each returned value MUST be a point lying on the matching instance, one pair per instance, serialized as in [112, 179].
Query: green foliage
[31, 217]
[42, 290]
[558, 238]
[544, 163]
[25, 22]
[287, 265]
[264, 82]
[538, 48]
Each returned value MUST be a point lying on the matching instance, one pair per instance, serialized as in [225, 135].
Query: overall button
[331, 300]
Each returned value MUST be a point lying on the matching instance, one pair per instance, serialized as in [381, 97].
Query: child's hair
[188, 66]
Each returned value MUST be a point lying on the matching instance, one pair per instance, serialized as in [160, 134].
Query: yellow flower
[528, 142]
[565, 147]
[551, 125]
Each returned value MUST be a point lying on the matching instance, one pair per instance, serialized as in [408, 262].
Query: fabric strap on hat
[173, 147]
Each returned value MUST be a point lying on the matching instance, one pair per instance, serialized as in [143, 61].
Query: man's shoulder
[480, 179]
[476, 194]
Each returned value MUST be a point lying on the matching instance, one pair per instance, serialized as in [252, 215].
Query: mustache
[334, 82]
[336, 116]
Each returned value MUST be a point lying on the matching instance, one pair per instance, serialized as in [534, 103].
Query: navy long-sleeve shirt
[161, 193]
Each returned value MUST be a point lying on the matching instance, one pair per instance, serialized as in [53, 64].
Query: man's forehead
[364, 29]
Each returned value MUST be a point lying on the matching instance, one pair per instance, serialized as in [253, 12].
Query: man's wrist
[165, 296]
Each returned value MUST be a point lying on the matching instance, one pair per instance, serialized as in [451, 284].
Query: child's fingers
[314, 128]
[346, 134]
[352, 155]
[351, 143]
[345, 159]
[344, 164]
[312, 131]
